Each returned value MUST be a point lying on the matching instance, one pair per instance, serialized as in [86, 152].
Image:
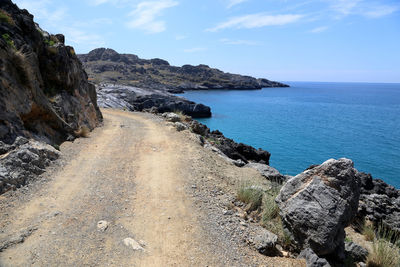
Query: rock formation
[23, 161]
[316, 206]
[108, 66]
[137, 99]
[44, 92]
[44, 95]
[379, 203]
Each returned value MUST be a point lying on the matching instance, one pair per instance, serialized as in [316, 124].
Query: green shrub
[251, 195]
[6, 37]
[6, 18]
[383, 254]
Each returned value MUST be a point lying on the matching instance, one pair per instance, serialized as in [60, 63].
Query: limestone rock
[133, 244]
[268, 172]
[138, 99]
[180, 126]
[356, 252]
[44, 91]
[102, 225]
[24, 162]
[312, 259]
[316, 206]
[265, 241]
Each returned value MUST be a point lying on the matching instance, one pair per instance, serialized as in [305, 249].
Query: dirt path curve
[128, 175]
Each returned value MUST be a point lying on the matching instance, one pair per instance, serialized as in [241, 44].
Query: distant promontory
[107, 66]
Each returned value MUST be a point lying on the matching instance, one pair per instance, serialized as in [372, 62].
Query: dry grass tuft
[368, 232]
[83, 131]
[383, 254]
[251, 195]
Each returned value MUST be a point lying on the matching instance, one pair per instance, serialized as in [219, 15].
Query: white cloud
[180, 37]
[364, 8]
[319, 29]
[380, 11]
[237, 42]
[146, 14]
[256, 21]
[345, 7]
[195, 49]
[233, 3]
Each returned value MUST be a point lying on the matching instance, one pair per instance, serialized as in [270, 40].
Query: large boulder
[316, 206]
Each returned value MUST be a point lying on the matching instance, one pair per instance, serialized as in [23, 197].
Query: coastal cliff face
[44, 92]
[108, 66]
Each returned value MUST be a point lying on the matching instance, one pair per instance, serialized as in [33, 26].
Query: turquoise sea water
[311, 122]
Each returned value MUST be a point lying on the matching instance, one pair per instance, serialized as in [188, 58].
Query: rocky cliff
[44, 91]
[108, 66]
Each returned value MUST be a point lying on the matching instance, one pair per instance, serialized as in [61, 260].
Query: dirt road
[133, 173]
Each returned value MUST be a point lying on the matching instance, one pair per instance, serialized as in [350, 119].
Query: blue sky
[285, 40]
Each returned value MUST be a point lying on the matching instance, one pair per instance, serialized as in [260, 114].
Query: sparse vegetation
[270, 208]
[6, 37]
[6, 18]
[252, 195]
[49, 42]
[83, 131]
[383, 254]
[368, 232]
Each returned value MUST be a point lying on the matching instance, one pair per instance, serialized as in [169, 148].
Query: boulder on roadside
[25, 160]
[316, 206]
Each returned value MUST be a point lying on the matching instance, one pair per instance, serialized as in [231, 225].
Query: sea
[311, 122]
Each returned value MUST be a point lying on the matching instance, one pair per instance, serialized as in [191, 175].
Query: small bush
[275, 226]
[251, 195]
[368, 232]
[83, 131]
[6, 37]
[6, 18]
[383, 254]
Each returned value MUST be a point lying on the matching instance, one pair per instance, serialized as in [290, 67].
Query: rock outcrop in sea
[138, 99]
[107, 66]
[44, 95]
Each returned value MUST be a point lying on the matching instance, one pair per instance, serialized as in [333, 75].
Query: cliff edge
[44, 92]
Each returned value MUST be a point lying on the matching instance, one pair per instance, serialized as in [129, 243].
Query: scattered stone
[129, 242]
[316, 206]
[172, 117]
[265, 242]
[356, 252]
[102, 226]
[17, 238]
[312, 259]
[180, 126]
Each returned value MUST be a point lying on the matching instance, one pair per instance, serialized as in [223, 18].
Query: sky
[283, 40]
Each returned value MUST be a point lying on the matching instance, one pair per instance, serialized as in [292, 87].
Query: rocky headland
[108, 66]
